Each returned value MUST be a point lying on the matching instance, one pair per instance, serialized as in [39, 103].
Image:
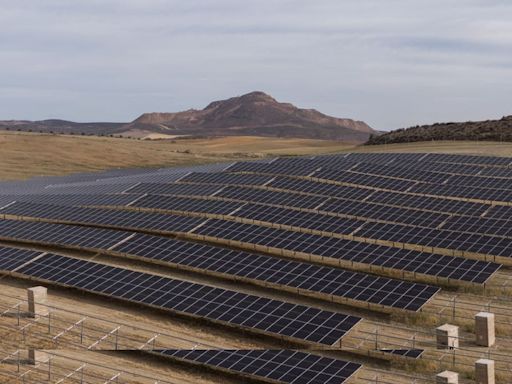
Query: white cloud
[392, 63]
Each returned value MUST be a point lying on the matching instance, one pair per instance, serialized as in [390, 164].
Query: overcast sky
[391, 63]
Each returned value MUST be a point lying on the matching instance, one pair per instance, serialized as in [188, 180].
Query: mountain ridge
[252, 114]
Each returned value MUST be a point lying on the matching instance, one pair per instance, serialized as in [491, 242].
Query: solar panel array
[219, 305]
[351, 210]
[328, 281]
[280, 366]
[332, 282]
[105, 217]
[353, 251]
[60, 234]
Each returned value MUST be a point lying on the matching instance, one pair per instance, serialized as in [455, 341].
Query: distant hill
[253, 114]
[489, 130]
[62, 126]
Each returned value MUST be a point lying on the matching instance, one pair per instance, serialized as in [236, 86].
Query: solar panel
[481, 194]
[184, 204]
[270, 197]
[173, 189]
[226, 179]
[299, 219]
[13, 258]
[436, 204]
[364, 180]
[75, 200]
[413, 174]
[328, 282]
[365, 211]
[280, 366]
[480, 182]
[105, 217]
[325, 247]
[255, 313]
[272, 168]
[434, 238]
[315, 187]
[410, 353]
[488, 226]
[503, 212]
[60, 234]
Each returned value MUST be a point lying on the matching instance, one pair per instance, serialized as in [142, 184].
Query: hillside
[489, 130]
[253, 114]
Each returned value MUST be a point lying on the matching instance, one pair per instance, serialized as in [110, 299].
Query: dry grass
[23, 155]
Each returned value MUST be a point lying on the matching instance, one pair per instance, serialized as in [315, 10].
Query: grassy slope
[23, 155]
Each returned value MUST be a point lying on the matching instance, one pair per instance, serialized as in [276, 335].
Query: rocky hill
[253, 114]
[489, 130]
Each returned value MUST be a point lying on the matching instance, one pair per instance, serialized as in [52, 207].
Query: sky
[391, 63]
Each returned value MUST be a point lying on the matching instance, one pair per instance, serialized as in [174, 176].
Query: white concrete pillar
[447, 336]
[447, 377]
[484, 371]
[37, 301]
[37, 357]
[484, 329]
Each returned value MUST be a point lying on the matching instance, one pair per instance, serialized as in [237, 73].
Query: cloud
[391, 63]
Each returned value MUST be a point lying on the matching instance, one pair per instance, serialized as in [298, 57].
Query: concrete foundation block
[447, 377]
[484, 329]
[447, 336]
[37, 357]
[37, 298]
[484, 371]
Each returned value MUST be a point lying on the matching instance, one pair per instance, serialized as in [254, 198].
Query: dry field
[24, 155]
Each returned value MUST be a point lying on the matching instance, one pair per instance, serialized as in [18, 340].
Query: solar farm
[351, 268]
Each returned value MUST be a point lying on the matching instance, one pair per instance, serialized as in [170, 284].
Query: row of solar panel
[363, 180]
[427, 237]
[345, 198]
[340, 249]
[260, 269]
[326, 281]
[106, 217]
[383, 197]
[215, 304]
[280, 366]
[431, 264]
[408, 171]
[401, 158]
